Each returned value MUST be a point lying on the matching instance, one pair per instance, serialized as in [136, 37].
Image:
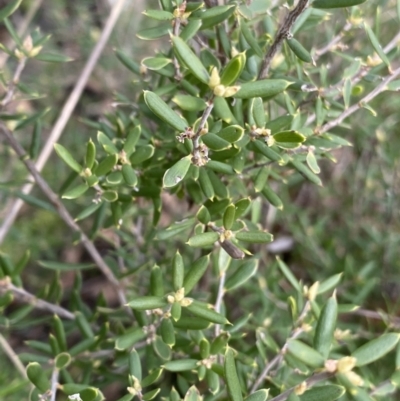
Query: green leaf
[53, 58]
[191, 61]
[289, 137]
[10, 8]
[147, 303]
[193, 394]
[312, 162]
[65, 266]
[258, 112]
[272, 197]
[328, 392]
[90, 156]
[262, 148]
[107, 143]
[220, 167]
[336, 3]
[259, 395]
[154, 33]
[132, 139]
[181, 365]
[305, 353]
[106, 165]
[135, 365]
[142, 154]
[189, 103]
[375, 349]
[37, 377]
[195, 273]
[254, 237]
[128, 339]
[156, 63]
[167, 332]
[175, 174]
[304, 171]
[231, 376]
[178, 271]
[191, 323]
[242, 274]
[215, 142]
[203, 240]
[298, 49]
[250, 39]
[151, 394]
[206, 312]
[109, 196]
[159, 15]
[128, 62]
[191, 28]
[263, 88]
[376, 45]
[62, 360]
[229, 216]
[75, 192]
[221, 110]
[233, 69]
[232, 133]
[164, 112]
[67, 158]
[156, 282]
[152, 377]
[289, 275]
[330, 283]
[241, 207]
[129, 175]
[214, 15]
[326, 325]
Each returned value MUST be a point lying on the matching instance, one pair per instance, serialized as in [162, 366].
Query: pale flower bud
[231, 90]
[346, 364]
[300, 388]
[219, 90]
[354, 379]
[215, 79]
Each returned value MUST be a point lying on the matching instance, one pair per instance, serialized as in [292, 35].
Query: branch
[366, 99]
[21, 31]
[319, 377]
[63, 212]
[54, 384]
[65, 114]
[12, 356]
[220, 297]
[277, 360]
[27, 297]
[14, 82]
[281, 35]
[356, 78]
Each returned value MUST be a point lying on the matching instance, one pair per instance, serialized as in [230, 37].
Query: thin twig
[277, 360]
[26, 297]
[65, 114]
[365, 100]
[356, 78]
[317, 378]
[281, 35]
[21, 30]
[14, 82]
[63, 212]
[218, 302]
[333, 42]
[54, 384]
[12, 356]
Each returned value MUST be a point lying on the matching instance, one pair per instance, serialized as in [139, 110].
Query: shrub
[227, 123]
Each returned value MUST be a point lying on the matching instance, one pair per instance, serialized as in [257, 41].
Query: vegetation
[226, 228]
